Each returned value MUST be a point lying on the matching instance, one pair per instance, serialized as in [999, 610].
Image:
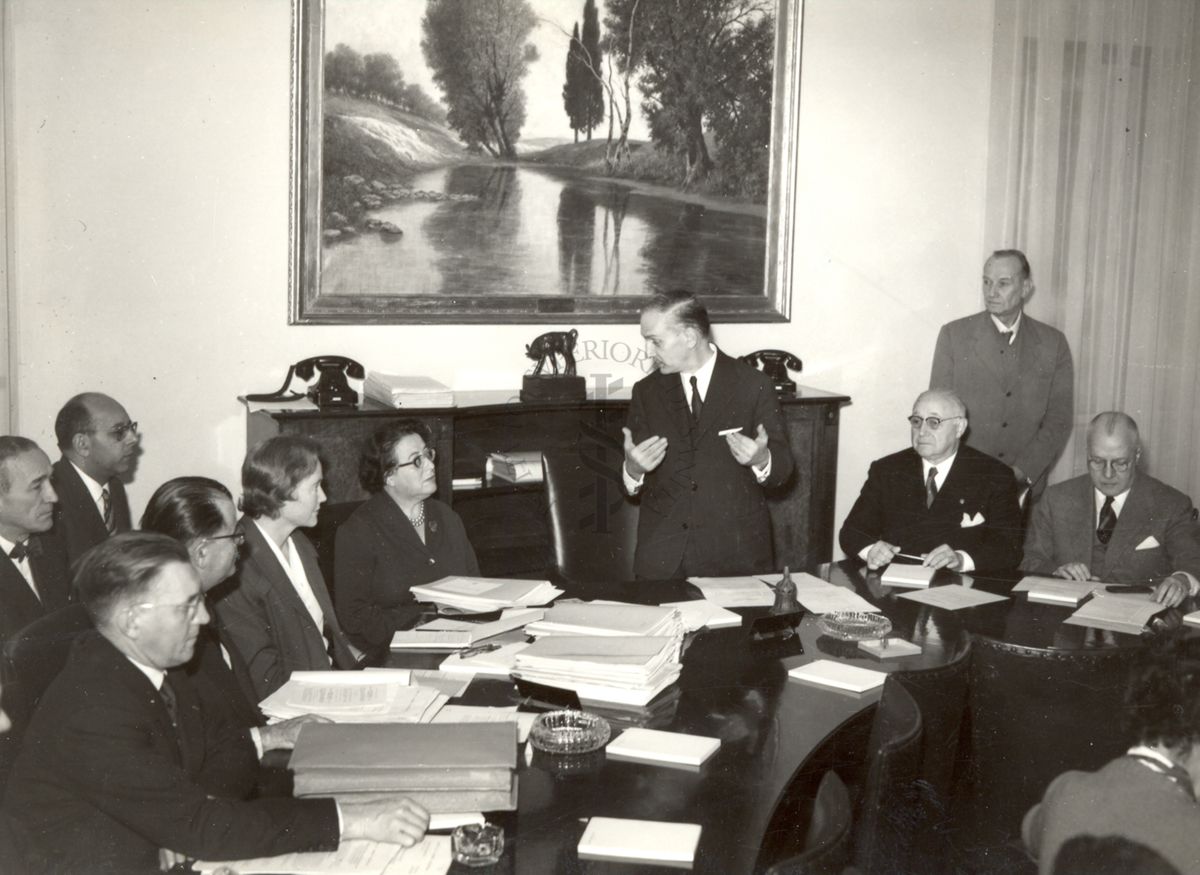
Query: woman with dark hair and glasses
[398, 538]
[1149, 794]
[277, 610]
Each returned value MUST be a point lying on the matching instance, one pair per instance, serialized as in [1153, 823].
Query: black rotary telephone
[330, 388]
[776, 363]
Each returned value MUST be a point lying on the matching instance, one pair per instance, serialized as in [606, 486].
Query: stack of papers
[822, 597]
[602, 668]
[516, 467]
[667, 748]
[354, 697]
[483, 594]
[398, 391]
[839, 676]
[443, 766]
[907, 575]
[703, 614]
[1056, 590]
[443, 634]
[1117, 613]
[735, 592]
[607, 618]
[635, 841]
[432, 856]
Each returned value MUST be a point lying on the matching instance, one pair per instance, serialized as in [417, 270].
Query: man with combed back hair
[1115, 523]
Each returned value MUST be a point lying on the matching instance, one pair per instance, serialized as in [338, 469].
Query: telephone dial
[776, 363]
[330, 388]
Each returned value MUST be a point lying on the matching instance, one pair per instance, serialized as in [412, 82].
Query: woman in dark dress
[399, 538]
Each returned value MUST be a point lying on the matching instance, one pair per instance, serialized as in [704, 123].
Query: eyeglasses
[118, 432]
[426, 455]
[190, 608]
[1118, 465]
[934, 422]
[238, 538]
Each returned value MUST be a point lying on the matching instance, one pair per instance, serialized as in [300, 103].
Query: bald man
[99, 446]
[1116, 524]
[940, 500]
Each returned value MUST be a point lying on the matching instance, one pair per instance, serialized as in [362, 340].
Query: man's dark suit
[78, 525]
[220, 685]
[18, 605]
[1064, 523]
[103, 781]
[701, 511]
[261, 613]
[892, 508]
[1021, 415]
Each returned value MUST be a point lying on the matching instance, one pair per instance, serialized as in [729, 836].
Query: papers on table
[602, 668]
[606, 618]
[898, 574]
[887, 648]
[354, 697]
[493, 664]
[399, 391]
[667, 748]
[432, 856]
[1117, 613]
[1056, 590]
[838, 675]
[483, 594]
[517, 467]
[735, 592]
[821, 597]
[703, 614]
[953, 597]
[632, 841]
[484, 714]
[446, 634]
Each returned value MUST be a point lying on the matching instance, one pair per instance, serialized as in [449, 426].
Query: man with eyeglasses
[940, 503]
[1116, 524]
[122, 767]
[99, 446]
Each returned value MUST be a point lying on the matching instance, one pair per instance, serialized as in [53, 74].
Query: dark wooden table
[772, 729]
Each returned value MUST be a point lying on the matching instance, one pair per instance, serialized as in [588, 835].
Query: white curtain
[1095, 172]
[7, 358]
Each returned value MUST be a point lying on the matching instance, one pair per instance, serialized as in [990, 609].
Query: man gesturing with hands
[705, 438]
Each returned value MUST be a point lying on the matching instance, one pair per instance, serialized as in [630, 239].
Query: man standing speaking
[705, 438]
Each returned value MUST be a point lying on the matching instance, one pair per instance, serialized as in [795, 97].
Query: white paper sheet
[952, 597]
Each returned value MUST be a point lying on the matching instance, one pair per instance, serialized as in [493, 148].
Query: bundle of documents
[524, 466]
[483, 594]
[444, 634]
[1117, 613]
[602, 668]
[354, 697]
[657, 714]
[1056, 590]
[606, 618]
[431, 855]
[668, 748]
[399, 391]
[703, 614]
[735, 592]
[898, 574]
[652, 841]
[839, 675]
[442, 766]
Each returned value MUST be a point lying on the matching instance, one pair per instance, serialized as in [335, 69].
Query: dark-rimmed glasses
[1118, 465]
[190, 608]
[426, 455]
[118, 432]
[238, 538]
[934, 422]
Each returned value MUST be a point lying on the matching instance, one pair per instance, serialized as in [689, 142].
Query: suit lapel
[16, 597]
[985, 344]
[396, 527]
[1124, 536]
[75, 500]
[1081, 506]
[911, 485]
[268, 566]
[50, 574]
[673, 400]
[721, 390]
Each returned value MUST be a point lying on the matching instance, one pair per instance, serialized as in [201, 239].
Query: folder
[635, 841]
[667, 748]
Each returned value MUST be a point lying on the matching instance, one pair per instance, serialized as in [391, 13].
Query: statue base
[551, 387]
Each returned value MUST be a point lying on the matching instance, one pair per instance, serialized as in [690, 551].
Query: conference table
[773, 730]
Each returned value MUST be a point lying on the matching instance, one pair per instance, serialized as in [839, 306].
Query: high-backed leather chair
[34, 657]
[324, 535]
[827, 843]
[593, 526]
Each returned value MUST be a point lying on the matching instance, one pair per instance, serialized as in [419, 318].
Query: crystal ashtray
[570, 732]
[854, 625]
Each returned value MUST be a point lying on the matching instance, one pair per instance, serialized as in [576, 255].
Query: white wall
[150, 147]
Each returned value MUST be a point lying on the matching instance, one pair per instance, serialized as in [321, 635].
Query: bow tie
[25, 549]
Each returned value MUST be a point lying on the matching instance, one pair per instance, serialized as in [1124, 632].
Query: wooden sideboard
[507, 522]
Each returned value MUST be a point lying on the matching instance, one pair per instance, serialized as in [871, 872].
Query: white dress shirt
[1000, 326]
[294, 569]
[94, 488]
[23, 566]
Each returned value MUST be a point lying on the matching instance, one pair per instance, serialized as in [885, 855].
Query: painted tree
[573, 86]
[343, 70]
[591, 84]
[478, 54]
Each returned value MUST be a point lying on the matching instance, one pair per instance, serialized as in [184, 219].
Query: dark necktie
[930, 487]
[1006, 337]
[167, 694]
[697, 402]
[19, 553]
[110, 522]
[1108, 521]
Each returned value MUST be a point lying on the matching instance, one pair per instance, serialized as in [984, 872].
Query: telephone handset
[330, 388]
[776, 363]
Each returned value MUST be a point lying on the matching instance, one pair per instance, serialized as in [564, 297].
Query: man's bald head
[948, 399]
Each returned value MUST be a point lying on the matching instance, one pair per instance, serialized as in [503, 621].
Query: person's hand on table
[943, 556]
[643, 457]
[398, 820]
[1073, 571]
[749, 451]
[282, 735]
[880, 554]
[1171, 591]
[168, 859]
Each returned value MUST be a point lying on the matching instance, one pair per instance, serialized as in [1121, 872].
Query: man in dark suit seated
[1116, 524]
[34, 580]
[954, 506]
[705, 438]
[99, 445]
[121, 761]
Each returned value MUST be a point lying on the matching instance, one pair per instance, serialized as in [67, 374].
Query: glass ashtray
[570, 732]
[854, 625]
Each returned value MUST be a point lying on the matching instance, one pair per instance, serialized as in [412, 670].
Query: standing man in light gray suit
[1013, 372]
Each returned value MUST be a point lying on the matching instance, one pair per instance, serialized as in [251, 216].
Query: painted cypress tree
[592, 91]
[573, 94]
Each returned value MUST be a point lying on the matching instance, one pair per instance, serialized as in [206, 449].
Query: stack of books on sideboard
[445, 767]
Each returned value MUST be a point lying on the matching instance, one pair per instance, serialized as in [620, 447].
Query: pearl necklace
[418, 517]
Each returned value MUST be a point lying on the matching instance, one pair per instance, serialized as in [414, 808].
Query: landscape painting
[541, 160]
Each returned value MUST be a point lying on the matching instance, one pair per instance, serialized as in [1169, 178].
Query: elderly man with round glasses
[939, 502]
[1116, 524]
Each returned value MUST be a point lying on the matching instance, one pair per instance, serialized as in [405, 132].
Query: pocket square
[1149, 544]
[969, 521]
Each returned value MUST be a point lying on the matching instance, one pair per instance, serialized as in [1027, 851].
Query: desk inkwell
[780, 624]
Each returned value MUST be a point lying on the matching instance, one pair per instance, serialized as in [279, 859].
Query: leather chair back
[324, 535]
[593, 526]
[827, 843]
[34, 657]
